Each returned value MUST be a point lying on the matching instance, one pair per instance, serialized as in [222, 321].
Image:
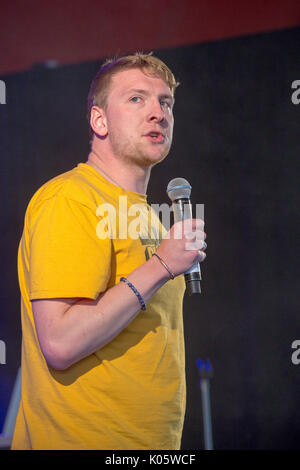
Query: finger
[202, 256]
[198, 235]
[204, 245]
[195, 245]
[190, 225]
[198, 222]
[190, 236]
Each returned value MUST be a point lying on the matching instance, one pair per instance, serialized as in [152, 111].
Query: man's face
[139, 117]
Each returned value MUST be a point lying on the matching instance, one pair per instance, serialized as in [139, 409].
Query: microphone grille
[179, 188]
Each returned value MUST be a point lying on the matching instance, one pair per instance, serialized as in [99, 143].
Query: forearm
[70, 329]
[89, 325]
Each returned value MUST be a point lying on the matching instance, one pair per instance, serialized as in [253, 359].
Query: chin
[146, 157]
[154, 159]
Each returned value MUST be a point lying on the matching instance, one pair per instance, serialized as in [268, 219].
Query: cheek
[171, 127]
[117, 125]
[170, 119]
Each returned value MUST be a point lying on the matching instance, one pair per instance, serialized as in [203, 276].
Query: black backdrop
[237, 142]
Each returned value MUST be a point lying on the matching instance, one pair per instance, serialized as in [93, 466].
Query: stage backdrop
[237, 142]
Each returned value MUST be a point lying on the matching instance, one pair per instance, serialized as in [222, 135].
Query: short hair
[100, 85]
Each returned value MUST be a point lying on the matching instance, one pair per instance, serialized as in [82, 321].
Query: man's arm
[70, 329]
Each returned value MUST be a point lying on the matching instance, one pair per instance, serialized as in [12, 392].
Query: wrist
[161, 267]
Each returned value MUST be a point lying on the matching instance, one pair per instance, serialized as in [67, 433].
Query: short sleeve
[66, 256]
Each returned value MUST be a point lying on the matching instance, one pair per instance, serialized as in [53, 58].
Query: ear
[98, 121]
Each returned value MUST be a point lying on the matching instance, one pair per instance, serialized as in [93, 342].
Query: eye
[165, 104]
[135, 99]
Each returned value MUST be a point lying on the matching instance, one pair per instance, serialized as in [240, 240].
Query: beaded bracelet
[164, 264]
[123, 279]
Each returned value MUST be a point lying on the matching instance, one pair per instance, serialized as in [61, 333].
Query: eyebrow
[145, 92]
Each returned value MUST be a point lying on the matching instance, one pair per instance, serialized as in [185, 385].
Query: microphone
[179, 191]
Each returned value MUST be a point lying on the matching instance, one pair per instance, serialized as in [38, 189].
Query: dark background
[236, 140]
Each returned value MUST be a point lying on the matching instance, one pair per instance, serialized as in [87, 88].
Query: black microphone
[179, 191]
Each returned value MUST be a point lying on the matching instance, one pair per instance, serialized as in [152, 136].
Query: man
[103, 350]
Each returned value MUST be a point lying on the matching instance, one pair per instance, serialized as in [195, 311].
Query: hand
[183, 246]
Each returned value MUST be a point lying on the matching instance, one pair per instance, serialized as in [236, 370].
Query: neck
[131, 178]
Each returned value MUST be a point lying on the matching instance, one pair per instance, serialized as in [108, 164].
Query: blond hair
[148, 63]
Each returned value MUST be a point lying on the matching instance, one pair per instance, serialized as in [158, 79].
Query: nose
[156, 113]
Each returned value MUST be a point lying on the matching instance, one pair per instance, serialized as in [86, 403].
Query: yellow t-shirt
[130, 394]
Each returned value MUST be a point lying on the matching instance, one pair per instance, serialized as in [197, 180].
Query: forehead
[126, 80]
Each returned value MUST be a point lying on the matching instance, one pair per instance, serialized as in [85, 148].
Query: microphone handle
[182, 210]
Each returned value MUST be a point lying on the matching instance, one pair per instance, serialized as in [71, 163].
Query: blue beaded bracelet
[123, 279]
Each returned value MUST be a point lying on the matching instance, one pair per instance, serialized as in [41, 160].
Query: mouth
[156, 137]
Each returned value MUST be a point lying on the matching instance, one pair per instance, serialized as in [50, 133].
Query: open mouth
[156, 137]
